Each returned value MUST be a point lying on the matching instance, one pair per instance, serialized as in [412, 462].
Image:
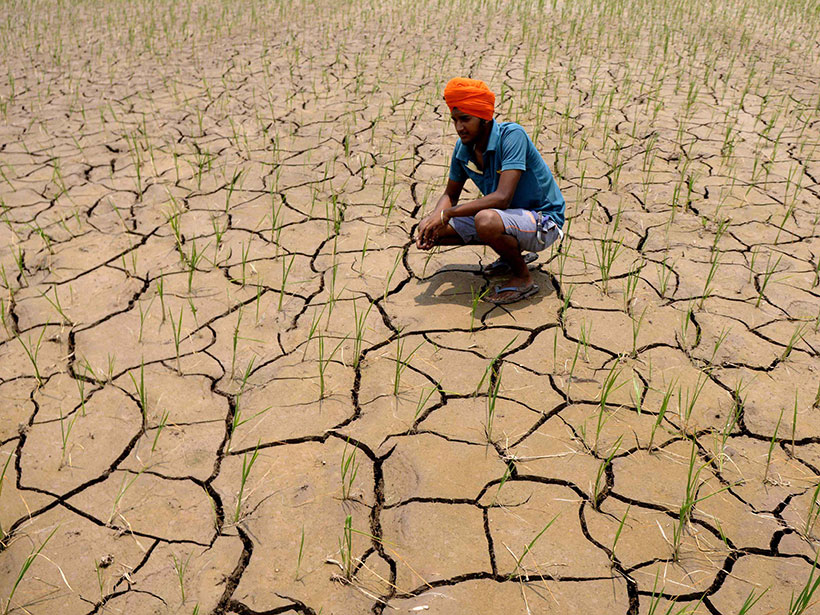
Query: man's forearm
[471, 208]
[445, 201]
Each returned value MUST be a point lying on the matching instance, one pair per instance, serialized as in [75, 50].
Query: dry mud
[230, 383]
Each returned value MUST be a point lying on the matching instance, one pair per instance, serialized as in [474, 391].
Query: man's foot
[502, 267]
[511, 294]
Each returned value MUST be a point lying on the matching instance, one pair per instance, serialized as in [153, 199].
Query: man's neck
[482, 142]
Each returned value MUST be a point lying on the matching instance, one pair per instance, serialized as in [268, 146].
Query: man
[522, 207]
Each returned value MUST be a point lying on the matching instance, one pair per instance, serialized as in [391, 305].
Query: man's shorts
[534, 230]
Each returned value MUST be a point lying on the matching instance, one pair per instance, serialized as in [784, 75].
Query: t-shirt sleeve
[514, 150]
[457, 172]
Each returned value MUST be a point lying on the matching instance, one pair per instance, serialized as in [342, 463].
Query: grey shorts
[534, 231]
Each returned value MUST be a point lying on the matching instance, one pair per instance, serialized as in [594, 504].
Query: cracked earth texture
[231, 384]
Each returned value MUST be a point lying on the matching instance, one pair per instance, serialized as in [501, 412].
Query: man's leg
[491, 231]
[449, 237]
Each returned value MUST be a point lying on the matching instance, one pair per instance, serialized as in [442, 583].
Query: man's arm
[432, 224]
[499, 199]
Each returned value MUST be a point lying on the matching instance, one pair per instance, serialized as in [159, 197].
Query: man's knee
[488, 225]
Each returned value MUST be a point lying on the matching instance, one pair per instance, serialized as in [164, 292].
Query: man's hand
[429, 230]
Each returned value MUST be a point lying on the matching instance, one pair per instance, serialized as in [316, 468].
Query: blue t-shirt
[510, 147]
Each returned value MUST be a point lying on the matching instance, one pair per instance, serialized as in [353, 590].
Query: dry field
[229, 382]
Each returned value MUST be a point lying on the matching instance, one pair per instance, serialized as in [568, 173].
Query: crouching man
[522, 210]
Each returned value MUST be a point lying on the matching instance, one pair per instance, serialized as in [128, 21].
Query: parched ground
[229, 382]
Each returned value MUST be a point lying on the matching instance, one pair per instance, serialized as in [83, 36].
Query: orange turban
[470, 96]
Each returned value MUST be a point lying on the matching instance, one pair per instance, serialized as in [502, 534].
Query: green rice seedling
[772, 442]
[180, 567]
[690, 500]
[606, 251]
[597, 489]
[752, 260]
[637, 393]
[125, 485]
[35, 553]
[718, 343]
[608, 387]
[193, 309]
[687, 400]
[160, 286]
[99, 568]
[800, 603]
[618, 534]
[797, 336]
[163, 421]
[572, 368]
[235, 341]
[364, 251]
[236, 176]
[346, 548]
[142, 395]
[662, 411]
[567, 303]
[424, 397]
[584, 336]
[707, 286]
[767, 275]
[173, 222]
[259, 291]
[401, 360]
[137, 159]
[813, 513]
[391, 274]
[631, 284]
[285, 272]
[349, 469]
[529, 547]
[314, 326]
[655, 598]
[143, 314]
[55, 303]
[491, 365]
[723, 436]
[299, 555]
[430, 254]
[176, 329]
[664, 274]
[193, 261]
[32, 350]
[493, 386]
[323, 362]
[359, 320]
[686, 319]
[65, 432]
[750, 601]
[503, 481]
[2, 479]
[3, 317]
[19, 260]
[219, 231]
[247, 465]
[475, 299]
[636, 329]
[237, 420]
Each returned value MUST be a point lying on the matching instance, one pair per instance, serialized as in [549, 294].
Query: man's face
[468, 127]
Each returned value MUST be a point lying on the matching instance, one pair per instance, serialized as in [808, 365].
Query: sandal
[502, 267]
[519, 293]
